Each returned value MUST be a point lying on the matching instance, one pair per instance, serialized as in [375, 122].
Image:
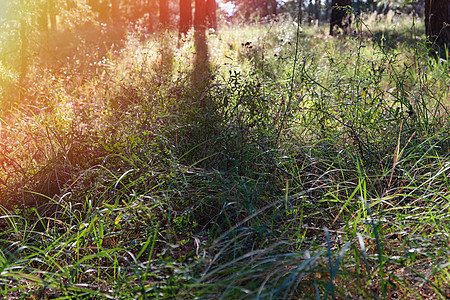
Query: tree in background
[20, 23]
[43, 17]
[129, 11]
[260, 8]
[339, 17]
[211, 17]
[200, 14]
[52, 10]
[115, 11]
[437, 18]
[160, 12]
[204, 17]
[185, 16]
[105, 10]
[47, 12]
[164, 13]
[205, 14]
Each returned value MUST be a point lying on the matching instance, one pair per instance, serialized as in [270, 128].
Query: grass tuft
[267, 161]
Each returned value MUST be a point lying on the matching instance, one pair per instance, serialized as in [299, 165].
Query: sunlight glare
[228, 7]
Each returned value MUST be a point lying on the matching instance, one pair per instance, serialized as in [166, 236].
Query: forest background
[194, 149]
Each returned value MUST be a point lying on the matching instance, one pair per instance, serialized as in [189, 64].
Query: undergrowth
[301, 166]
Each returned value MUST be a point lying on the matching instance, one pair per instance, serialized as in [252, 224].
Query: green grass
[306, 166]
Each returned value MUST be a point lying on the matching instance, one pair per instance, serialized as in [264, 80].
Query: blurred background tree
[437, 20]
[255, 8]
[185, 16]
[340, 16]
[56, 33]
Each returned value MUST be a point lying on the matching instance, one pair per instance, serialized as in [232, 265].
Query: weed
[295, 165]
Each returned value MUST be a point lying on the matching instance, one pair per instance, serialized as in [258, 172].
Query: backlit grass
[304, 166]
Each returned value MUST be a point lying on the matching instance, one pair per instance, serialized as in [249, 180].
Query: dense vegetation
[290, 165]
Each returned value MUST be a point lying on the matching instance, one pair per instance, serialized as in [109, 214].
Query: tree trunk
[185, 16]
[115, 11]
[300, 12]
[328, 9]
[273, 6]
[211, 8]
[52, 14]
[339, 17]
[200, 14]
[152, 15]
[317, 10]
[437, 18]
[264, 6]
[70, 4]
[164, 13]
[310, 11]
[43, 17]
